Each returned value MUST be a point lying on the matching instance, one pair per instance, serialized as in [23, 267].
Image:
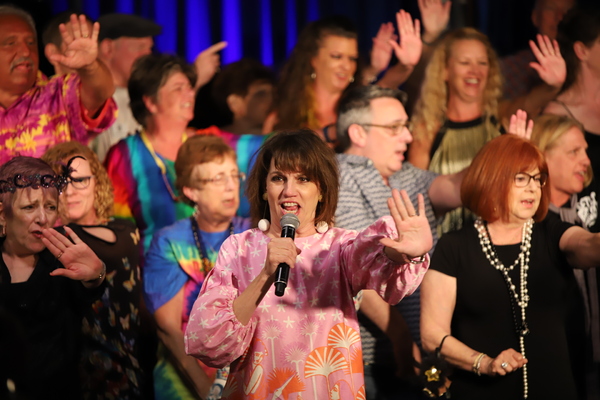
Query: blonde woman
[459, 109]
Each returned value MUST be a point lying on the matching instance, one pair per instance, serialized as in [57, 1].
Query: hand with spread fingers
[80, 262]
[550, 65]
[519, 125]
[81, 44]
[506, 362]
[409, 47]
[381, 53]
[414, 233]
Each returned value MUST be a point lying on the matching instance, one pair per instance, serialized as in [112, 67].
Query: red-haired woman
[498, 290]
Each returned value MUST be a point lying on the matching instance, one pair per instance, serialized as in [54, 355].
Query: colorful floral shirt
[49, 113]
[305, 344]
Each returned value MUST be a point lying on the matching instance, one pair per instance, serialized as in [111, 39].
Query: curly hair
[58, 156]
[295, 94]
[432, 106]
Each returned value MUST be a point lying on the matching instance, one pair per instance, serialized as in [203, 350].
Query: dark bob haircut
[296, 151]
[149, 74]
[486, 186]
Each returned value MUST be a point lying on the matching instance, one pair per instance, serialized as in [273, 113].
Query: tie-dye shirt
[140, 189]
[305, 344]
[49, 113]
[174, 262]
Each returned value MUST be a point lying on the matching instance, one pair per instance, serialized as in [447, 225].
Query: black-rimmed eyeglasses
[522, 179]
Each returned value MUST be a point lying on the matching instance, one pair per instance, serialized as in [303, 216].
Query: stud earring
[265, 196]
[320, 198]
[352, 79]
[313, 76]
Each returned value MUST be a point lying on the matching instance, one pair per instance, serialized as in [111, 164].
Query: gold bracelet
[102, 274]
[477, 364]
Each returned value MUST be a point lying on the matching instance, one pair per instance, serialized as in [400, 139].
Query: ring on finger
[59, 255]
[504, 365]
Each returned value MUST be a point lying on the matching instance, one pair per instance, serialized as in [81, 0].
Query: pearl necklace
[522, 298]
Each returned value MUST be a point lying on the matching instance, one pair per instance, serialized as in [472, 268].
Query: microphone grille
[290, 220]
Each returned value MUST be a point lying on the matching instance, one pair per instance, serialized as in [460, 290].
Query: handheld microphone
[289, 224]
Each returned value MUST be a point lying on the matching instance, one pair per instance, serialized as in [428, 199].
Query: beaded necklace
[207, 264]
[521, 299]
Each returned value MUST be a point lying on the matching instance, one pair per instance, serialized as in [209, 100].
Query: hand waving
[408, 49]
[381, 53]
[414, 233]
[81, 44]
[435, 16]
[519, 126]
[80, 262]
[551, 67]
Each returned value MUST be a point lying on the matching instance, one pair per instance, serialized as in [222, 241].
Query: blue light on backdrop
[197, 27]
[266, 34]
[232, 31]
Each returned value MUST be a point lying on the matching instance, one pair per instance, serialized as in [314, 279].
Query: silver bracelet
[101, 276]
[414, 260]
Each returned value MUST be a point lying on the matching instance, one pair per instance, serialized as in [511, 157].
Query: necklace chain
[522, 298]
[207, 264]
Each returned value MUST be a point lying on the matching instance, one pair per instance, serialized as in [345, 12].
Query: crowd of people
[442, 245]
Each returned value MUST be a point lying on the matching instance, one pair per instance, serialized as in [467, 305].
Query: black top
[109, 361]
[483, 319]
[48, 309]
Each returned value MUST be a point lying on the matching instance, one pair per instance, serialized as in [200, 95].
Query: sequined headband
[33, 181]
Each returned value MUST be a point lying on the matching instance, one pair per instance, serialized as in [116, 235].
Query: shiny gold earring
[320, 198]
[265, 196]
[313, 76]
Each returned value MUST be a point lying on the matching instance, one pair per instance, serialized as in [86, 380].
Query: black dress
[44, 314]
[109, 366]
[483, 319]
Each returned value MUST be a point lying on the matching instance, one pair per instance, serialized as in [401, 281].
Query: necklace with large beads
[522, 298]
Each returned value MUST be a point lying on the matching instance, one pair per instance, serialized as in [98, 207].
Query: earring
[3, 232]
[351, 79]
[320, 198]
[264, 225]
[265, 196]
[313, 76]
[322, 226]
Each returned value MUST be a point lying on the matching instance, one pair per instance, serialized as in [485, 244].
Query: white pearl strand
[522, 299]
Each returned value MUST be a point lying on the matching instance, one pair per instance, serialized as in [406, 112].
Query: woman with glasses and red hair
[498, 290]
[181, 255]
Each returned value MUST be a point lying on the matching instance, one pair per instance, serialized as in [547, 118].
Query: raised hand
[408, 49]
[80, 262]
[81, 45]
[207, 63]
[381, 53]
[519, 125]
[414, 234]
[435, 16]
[551, 67]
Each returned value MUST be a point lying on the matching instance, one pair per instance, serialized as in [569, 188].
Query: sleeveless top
[454, 147]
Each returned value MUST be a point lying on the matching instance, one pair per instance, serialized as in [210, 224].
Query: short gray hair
[355, 108]
[19, 12]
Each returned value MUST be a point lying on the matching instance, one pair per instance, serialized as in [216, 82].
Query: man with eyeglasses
[373, 132]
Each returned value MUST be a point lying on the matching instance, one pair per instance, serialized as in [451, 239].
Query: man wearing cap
[123, 39]
[36, 112]
[373, 135]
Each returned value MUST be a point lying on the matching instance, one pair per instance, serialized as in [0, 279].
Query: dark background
[267, 29]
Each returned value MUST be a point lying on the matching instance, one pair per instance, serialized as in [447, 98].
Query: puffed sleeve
[214, 335]
[368, 267]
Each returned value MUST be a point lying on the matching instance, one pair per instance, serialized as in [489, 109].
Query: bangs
[289, 158]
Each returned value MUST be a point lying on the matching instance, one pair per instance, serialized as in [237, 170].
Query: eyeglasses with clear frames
[81, 182]
[522, 179]
[395, 129]
[221, 179]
